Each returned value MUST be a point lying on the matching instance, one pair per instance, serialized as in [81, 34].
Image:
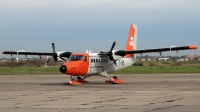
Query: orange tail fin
[131, 43]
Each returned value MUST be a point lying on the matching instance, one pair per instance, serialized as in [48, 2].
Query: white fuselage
[99, 64]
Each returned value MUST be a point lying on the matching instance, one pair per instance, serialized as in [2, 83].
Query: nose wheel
[79, 81]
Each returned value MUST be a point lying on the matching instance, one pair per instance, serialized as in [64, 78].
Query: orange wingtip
[192, 47]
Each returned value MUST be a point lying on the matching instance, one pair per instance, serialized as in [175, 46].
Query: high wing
[55, 55]
[26, 53]
[60, 54]
[121, 53]
[173, 48]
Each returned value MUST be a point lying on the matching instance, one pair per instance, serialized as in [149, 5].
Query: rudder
[131, 43]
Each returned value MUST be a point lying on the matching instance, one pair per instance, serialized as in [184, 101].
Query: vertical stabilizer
[131, 43]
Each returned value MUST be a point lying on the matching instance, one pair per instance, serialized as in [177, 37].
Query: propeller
[55, 55]
[110, 53]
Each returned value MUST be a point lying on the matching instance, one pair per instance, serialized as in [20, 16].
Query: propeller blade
[114, 62]
[112, 59]
[53, 47]
[55, 58]
[110, 53]
[55, 55]
[49, 60]
[113, 46]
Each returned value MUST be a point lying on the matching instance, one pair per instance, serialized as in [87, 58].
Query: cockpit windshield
[75, 57]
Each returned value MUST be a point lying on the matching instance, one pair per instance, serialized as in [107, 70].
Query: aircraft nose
[63, 69]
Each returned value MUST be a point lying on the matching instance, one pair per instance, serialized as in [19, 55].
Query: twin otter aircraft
[83, 65]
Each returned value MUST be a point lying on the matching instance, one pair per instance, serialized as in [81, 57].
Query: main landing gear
[115, 80]
[79, 80]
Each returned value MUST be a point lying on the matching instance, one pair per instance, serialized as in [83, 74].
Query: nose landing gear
[79, 81]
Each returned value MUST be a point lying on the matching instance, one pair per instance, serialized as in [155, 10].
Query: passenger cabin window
[102, 59]
[75, 57]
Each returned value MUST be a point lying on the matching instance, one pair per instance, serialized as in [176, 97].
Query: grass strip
[128, 70]
[158, 70]
[28, 70]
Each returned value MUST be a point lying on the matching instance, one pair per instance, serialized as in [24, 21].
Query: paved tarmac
[140, 93]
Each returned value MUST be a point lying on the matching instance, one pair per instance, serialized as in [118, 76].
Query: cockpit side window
[75, 57]
[85, 58]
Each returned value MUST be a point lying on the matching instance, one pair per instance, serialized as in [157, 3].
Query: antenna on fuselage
[87, 51]
[90, 51]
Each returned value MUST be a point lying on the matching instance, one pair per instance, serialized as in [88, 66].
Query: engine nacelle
[60, 54]
[64, 54]
[58, 59]
[116, 57]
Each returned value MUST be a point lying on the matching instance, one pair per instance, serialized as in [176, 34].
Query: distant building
[163, 59]
[181, 60]
[146, 58]
[191, 57]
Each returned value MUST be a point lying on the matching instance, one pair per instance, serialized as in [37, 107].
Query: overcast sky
[78, 25]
